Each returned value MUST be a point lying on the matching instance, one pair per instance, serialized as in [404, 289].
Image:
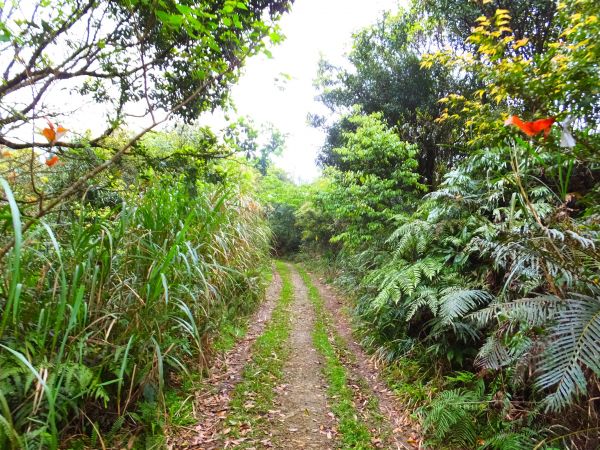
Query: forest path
[312, 387]
[302, 421]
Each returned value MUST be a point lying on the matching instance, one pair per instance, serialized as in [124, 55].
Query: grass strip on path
[354, 434]
[180, 415]
[253, 397]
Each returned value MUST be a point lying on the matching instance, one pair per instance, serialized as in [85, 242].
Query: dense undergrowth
[105, 308]
[481, 294]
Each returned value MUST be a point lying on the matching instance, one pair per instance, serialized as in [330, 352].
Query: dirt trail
[301, 417]
[211, 405]
[302, 420]
[404, 433]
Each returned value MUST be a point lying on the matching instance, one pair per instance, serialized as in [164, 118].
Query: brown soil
[402, 433]
[211, 404]
[302, 419]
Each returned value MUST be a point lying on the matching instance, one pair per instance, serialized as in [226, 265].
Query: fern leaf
[449, 417]
[575, 345]
[535, 311]
[493, 354]
[457, 303]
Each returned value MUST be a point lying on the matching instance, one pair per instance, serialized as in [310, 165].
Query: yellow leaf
[502, 14]
[583, 43]
[520, 43]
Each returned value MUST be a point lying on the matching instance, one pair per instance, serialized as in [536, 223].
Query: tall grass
[99, 309]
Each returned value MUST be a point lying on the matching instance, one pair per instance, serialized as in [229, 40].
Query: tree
[257, 144]
[375, 179]
[170, 55]
[561, 81]
[387, 77]
[132, 58]
[452, 21]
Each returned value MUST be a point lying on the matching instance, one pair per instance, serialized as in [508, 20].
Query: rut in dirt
[212, 403]
[399, 431]
[303, 419]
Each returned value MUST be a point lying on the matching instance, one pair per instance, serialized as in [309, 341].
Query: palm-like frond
[457, 303]
[574, 346]
[534, 311]
[574, 341]
[493, 354]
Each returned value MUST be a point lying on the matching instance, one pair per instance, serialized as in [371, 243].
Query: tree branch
[73, 188]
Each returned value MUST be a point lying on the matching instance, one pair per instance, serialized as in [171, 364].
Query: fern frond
[425, 296]
[493, 354]
[449, 417]
[583, 241]
[534, 311]
[524, 439]
[574, 346]
[457, 303]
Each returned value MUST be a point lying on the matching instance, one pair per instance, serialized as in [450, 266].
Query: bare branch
[73, 188]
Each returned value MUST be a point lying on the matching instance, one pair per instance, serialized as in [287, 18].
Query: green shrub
[100, 311]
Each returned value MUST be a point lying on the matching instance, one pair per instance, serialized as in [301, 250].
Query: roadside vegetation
[125, 254]
[111, 307]
[459, 209]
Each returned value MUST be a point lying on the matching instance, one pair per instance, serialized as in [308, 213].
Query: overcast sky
[312, 28]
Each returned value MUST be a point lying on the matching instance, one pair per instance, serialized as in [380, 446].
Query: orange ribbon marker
[53, 134]
[532, 128]
[51, 161]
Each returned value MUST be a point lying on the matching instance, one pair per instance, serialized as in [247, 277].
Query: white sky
[313, 28]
